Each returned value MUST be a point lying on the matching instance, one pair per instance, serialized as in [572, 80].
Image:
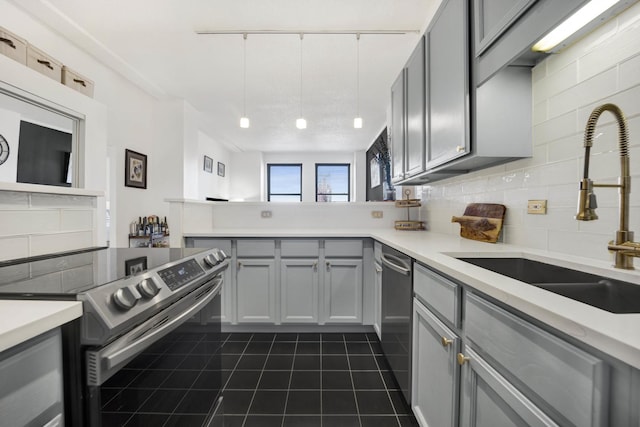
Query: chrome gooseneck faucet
[623, 246]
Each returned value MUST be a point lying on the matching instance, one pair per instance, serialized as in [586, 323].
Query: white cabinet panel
[434, 362]
[255, 282]
[299, 291]
[343, 291]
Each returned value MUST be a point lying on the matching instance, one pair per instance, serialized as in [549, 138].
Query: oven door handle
[155, 333]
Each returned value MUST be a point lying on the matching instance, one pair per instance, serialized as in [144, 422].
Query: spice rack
[408, 204]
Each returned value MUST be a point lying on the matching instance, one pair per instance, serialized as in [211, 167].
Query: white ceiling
[154, 44]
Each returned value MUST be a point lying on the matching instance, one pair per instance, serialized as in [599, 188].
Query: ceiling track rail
[310, 32]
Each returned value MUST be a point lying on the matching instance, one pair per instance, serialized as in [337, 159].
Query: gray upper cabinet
[505, 30]
[397, 129]
[447, 84]
[415, 105]
[493, 17]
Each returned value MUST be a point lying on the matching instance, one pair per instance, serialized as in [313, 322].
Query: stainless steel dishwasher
[397, 297]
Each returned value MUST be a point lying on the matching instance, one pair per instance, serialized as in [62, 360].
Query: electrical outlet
[537, 207]
[265, 214]
[376, 214]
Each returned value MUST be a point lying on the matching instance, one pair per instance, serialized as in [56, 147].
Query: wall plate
[537, 207]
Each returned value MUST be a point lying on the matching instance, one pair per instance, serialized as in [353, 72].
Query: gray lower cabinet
[342, 290]
[299, 280]
[489, 400]
[256, 290]
[435, 371]
[513, 373]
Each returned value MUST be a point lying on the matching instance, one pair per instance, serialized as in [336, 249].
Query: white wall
[602, 67]
[211, 184]
[247, 176]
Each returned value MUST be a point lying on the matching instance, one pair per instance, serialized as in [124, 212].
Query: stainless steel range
[151, 321]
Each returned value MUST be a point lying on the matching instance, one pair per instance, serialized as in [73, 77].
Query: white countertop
[614, 334]
[21, 320]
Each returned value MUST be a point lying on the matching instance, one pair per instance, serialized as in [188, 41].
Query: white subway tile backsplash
[530, 237]
[29, 221]
[76, 220]
[580, 244]
[540, 112]
[14, 247]
[628, 73]
[587, 92]
[12, 200]
[555, 82]
[62, 201]
[58, 242]
[612, 50]
[555, 128]
[565, 148]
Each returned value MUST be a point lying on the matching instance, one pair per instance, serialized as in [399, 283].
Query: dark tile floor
[309, 379]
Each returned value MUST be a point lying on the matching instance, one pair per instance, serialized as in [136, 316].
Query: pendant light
[301, 123]
[244, 120]
[357, 122]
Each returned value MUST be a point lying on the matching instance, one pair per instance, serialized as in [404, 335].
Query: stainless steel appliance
[151, 320]
[397, 298]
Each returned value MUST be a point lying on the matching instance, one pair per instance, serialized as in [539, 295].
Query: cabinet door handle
[446, 342]
[8, 42]
[459, 149]
[328, 265]
[462, 359]
[239, 264]
[45, 63]
[315, 265]
[80, 82]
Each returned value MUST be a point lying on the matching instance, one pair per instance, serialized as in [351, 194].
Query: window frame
[348, 193]
[269, 194]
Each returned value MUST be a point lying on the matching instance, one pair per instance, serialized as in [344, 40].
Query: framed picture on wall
[220, 169]
[135, 265]
[208, 164]
[135, 169]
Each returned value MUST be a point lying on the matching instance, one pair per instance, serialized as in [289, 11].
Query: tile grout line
[386, 388]
[286, 399]
[353, 385]
[246, 415]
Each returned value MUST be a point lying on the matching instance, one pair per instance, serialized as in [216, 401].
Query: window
[332, 182]
[284, 182]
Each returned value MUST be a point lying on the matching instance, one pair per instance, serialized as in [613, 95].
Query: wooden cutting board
[481, 221]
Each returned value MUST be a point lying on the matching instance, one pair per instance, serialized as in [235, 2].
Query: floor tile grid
[374, 351]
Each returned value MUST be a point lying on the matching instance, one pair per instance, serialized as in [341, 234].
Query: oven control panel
[181, 274]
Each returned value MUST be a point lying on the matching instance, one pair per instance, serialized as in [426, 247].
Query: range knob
[210, 260]
[222, 255]
[125, 298]
[148, 288]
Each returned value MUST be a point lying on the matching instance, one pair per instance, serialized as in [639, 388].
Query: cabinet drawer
[77, 81]
[566, 378]
[300, 248]
[256, 248]
[223, 244]
[13, 46]
[440, 294]
[43, 63]
[343, 248]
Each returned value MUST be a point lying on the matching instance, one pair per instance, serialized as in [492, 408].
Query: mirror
[38, 142]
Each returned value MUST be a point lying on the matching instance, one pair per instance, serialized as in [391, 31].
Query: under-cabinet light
[572, 24]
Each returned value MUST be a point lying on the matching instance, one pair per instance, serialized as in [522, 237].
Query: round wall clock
[4, 150]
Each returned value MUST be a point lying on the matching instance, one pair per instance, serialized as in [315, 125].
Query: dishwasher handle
[396, 264]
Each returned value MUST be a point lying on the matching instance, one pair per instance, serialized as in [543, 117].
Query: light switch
[265, 214]
[376, 214]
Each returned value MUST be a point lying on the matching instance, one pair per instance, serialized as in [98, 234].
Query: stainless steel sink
[608, 294]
